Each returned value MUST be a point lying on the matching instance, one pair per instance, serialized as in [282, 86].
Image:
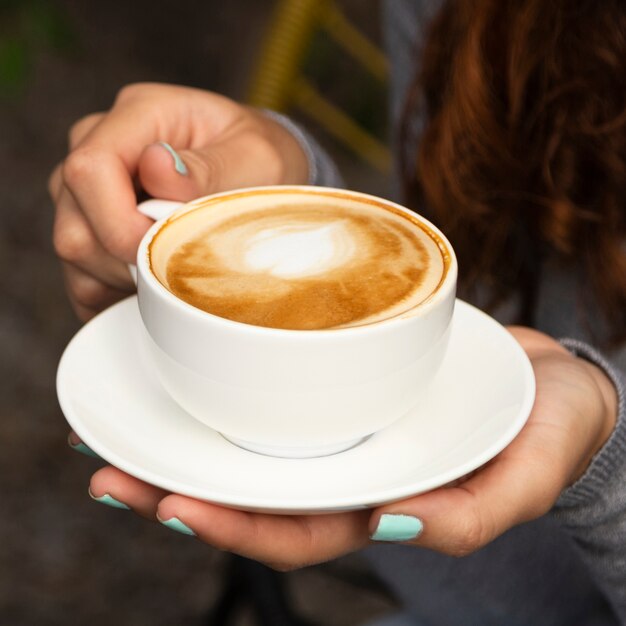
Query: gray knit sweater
[567, 568]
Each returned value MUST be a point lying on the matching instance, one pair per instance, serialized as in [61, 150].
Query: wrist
[295, 162]
[608, 401]
[606, 408]
[605, 469]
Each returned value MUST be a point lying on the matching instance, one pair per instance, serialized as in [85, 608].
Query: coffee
[298, 261]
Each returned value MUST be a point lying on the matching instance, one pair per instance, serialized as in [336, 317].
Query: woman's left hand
[573, 416]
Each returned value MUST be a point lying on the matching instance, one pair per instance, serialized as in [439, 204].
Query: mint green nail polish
[175, 524]
[398, 528]
[179, 164]
[110, 501]
[83, 449]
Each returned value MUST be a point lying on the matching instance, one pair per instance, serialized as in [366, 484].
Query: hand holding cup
[172, 142]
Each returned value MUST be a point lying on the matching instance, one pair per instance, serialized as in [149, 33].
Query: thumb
[238, 161]
[461, 519]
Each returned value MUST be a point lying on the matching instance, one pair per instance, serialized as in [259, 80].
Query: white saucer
[111, 397]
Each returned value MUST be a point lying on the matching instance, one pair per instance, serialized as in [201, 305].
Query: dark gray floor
[63, 558]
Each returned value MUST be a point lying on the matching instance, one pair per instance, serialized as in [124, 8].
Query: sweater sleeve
[593, 510]
[322, 169]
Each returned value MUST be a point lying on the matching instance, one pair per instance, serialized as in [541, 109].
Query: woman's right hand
[218, 144]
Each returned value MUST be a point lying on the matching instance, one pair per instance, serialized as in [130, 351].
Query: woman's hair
[523, 155]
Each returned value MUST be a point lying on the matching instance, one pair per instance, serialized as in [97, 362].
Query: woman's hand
[217, 145]
[573, 416]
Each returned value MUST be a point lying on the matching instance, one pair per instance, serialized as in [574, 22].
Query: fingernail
[83, 449]
[397, 528]
[175, 524]
[109, 501]
[179, 164]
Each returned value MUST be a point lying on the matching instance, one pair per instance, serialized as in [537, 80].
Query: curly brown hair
[523, 156]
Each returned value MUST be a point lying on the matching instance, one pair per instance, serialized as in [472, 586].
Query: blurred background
[63, 558]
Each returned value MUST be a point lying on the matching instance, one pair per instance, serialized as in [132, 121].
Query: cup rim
[446, 285]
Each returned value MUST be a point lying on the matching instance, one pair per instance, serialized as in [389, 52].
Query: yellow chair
[278, 82]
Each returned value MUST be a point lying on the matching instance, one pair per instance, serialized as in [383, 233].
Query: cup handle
[156, 210]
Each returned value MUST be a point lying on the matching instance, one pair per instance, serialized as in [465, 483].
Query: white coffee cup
[293, 393]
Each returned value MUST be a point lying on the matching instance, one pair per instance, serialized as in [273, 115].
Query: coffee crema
[316, 264]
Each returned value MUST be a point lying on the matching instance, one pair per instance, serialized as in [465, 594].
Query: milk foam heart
[292, 251]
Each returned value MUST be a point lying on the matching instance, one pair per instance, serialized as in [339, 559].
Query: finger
[102, 187]
[535, 342]
[73, 439]
[55, 182]
[76, 134]
[75, 243]
[89, 293]
[184, 116]
[126, 490]
[283, 541]
[242, 159]
[83, 313]
[74, 442]
[462, 519]
[99, 174]
[81, 129]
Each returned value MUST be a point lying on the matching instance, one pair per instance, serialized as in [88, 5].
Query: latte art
[303, 266]
[298, 250]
